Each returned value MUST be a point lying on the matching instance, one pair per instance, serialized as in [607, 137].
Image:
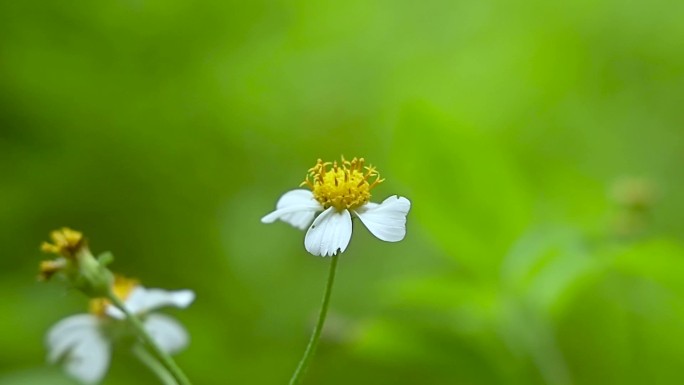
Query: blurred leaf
[52, 376]
[465, 189]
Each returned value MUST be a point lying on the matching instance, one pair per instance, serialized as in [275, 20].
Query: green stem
[315, 336]
[148, 359]
[166, 359]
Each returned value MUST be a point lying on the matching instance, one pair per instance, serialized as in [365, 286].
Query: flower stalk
[154, 365]
[165, 358]
[316, 335]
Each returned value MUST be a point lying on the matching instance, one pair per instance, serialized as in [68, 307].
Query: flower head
[83, 341]
[343, 186]
[340, 191]
[76, 263]
[65, 242]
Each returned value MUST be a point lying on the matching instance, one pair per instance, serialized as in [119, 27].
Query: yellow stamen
[121, 288]
[344, 185]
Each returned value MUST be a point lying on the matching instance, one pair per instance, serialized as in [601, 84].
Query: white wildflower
[340, 191]
[82, 341]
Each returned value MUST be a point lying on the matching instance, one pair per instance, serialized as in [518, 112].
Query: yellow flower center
[65, 242]
[344, 186]
[122, 288]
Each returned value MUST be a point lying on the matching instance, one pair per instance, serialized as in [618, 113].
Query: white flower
[83, 343]
[340, 192]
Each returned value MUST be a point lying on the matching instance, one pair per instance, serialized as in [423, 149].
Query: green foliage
[165, 130]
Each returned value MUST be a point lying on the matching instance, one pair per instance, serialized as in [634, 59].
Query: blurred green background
[541, 144]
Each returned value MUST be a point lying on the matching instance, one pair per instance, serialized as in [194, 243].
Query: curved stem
[166, 359]
[315, 336]
[155, 366]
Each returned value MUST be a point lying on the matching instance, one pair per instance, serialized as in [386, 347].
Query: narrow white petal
[85, 350]
[296, 207]
[169, 334]
[387, 221]
[330, 233]
[143, 300]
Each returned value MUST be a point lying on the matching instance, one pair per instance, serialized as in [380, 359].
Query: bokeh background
[541, 144]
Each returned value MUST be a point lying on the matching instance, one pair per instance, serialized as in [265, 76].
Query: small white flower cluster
[82, 341]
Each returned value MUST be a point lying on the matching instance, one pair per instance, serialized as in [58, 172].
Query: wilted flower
[76, 263]
[340, 191]
[67, 244]
[83, 341]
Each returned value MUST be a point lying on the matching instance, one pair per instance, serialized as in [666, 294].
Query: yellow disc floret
[122, 288]
[65, 242]
[346, 185]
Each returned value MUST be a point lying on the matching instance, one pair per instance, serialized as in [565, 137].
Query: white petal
[142, 300]
[69, 324]
[80, 341]
[89, 360]
[169, 334]
[387, 221]
[296, 207]
[330, 233]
